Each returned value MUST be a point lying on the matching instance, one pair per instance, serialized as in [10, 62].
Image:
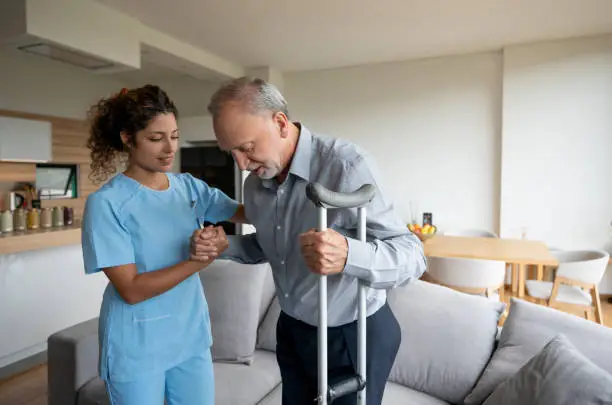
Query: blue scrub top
[125, 222]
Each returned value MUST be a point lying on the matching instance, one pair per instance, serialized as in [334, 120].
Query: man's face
[256, 141]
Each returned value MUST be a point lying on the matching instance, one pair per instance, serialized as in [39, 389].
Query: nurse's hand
[208, 243]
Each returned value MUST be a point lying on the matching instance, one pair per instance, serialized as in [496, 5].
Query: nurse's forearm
[135, 288]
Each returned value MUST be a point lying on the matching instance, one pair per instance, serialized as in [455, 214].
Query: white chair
[471, 276]
[575, 284]
[474, 233]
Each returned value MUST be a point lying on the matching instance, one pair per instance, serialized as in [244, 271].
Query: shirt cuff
[359, 259]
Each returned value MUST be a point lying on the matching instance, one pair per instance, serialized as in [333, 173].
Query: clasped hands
[324, 252]
[208, 243]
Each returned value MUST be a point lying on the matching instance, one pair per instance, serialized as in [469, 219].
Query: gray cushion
[93, 393]
[447, 338]
[266, 335]
[234, 294]
[558, 375]
[395, 394]
[239, 384]
[528, 328]
[235, 384]
[267, 295]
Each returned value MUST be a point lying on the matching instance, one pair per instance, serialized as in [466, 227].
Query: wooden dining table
[519, 253]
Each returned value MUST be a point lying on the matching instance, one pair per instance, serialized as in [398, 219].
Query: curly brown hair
[129, 111]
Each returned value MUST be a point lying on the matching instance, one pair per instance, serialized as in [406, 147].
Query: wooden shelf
[23, 241]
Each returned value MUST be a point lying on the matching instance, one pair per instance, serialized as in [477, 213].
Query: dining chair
[575, 284]
[471, 276]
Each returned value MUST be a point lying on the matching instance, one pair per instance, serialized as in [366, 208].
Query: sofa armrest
[72, 361]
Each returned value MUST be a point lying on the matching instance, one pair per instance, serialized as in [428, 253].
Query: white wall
[432, 125]
[557, 144]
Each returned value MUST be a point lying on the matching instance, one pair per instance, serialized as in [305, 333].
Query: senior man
[251, 121]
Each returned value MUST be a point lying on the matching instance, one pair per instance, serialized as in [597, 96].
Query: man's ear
[283, 123]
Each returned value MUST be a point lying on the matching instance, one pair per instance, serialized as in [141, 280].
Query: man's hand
[208, 243]
[324, 252]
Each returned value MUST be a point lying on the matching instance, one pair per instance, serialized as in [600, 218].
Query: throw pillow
[558, 375]
[526, 331]
[447, 338]
[266, 336]
[233, 293]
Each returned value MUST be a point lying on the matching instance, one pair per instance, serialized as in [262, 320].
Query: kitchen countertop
[22, 241]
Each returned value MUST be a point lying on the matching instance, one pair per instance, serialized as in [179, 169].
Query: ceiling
[316, 34]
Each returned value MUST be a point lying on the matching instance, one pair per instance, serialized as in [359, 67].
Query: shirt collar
[300, 165]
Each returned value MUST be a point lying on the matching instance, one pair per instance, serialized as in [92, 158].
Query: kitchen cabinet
[25, 140]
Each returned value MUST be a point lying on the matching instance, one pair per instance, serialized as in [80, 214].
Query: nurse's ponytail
[128, 111]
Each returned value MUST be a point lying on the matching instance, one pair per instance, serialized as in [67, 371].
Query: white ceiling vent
[65, 55]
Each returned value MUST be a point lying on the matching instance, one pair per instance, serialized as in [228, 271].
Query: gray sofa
[451, 351]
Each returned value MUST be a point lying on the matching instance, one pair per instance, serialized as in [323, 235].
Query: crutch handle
[345, 387]
[322, 197]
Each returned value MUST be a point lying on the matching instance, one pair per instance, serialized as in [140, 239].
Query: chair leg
[588, 314]
[514, 269]
[597, 304]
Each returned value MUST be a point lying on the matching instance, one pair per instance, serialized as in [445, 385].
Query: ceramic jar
[46, 219]
[6, 221]
[58, 217]
[19, 220]
[33, 218]
[68, 216]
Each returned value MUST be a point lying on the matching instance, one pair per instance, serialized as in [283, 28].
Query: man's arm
[392, 255]
[242, 248]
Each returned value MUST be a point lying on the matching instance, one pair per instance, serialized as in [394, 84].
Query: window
[56, 181]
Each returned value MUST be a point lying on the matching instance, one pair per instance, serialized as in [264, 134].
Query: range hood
[77, 32]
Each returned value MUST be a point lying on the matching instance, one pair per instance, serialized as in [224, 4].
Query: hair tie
[123, 91]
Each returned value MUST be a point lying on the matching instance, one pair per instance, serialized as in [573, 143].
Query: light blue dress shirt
[125, 222]
[390, 257]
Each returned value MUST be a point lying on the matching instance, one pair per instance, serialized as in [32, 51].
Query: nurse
[154, 327]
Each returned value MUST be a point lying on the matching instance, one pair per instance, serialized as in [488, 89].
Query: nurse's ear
[127, 141]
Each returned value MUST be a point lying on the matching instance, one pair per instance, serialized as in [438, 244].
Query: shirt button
[278, 227]
[286, 295]
[282, 191]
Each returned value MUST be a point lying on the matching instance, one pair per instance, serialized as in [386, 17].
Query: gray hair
[253, 94]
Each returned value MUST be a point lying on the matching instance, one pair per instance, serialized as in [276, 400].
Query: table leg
[540, 275]
[514, 269]
[521, 280]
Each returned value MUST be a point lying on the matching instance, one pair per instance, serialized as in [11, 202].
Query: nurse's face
[155, 146]
[256, 141]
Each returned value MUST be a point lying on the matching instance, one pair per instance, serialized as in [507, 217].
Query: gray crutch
[326, 199]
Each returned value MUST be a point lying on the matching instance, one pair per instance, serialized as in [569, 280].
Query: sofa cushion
[395, 394]
[235, 384]
[558, 375]
[266, 335]
[528, 328]
[447, 338]
[93, 393]
[239, 384]
[267, 295]
[234, 294]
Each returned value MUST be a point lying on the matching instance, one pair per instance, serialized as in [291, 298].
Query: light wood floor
[30, 388]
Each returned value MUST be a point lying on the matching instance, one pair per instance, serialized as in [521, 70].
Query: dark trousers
[296, 353]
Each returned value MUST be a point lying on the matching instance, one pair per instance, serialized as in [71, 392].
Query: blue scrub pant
[189, 383]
